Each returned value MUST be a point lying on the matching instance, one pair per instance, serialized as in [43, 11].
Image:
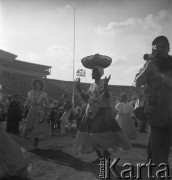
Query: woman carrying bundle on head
[98, 130]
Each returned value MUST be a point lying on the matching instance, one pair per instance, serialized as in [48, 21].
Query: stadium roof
[28, 64]
[4, 55]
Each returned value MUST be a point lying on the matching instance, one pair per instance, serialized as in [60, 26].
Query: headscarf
[100, 69]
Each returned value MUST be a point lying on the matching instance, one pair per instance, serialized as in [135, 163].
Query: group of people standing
[13, 162]
[98, 130]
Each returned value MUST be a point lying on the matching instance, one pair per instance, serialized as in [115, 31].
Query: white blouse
[124, 108]
[37, 98]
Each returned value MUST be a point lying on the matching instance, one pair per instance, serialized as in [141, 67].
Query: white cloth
[124, 108]
[126, 123]
[65, 116]
[36, 120]
[65, 121]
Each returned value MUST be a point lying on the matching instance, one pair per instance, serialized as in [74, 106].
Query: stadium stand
[16, 77]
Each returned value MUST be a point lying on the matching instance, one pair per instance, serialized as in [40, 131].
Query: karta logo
[129, 171]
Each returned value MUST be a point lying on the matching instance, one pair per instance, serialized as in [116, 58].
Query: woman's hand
[77, 82]
[106, 80]
[106, 89]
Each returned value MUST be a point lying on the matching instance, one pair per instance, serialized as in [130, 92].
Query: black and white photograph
[85, 89]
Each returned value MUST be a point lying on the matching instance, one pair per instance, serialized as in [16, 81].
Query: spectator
[14, 115]
[78, 114]
[126, 122]
[65, 117]
[52, 117]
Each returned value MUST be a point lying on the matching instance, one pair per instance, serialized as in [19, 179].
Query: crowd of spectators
[12, 84]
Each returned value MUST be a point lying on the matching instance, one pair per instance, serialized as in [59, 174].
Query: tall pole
[73, 94]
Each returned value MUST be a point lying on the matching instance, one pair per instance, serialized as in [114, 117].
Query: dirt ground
[54, 160]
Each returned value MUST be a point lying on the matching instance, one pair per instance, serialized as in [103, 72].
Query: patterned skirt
[102, 132]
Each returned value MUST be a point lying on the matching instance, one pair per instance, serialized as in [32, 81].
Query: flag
[81, 72]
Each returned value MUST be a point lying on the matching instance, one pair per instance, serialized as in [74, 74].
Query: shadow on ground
[63, 158]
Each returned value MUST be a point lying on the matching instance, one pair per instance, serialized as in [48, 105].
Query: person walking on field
[36, 121]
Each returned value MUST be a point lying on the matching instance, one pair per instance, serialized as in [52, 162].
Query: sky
[42, 32]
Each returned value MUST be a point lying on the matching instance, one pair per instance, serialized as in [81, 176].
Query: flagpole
[73, 94]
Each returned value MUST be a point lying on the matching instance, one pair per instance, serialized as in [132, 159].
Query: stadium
[16, 77]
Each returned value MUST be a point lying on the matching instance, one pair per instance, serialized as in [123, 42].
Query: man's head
[160, 46]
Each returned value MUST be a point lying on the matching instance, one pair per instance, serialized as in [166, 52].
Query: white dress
[124, 119]
[36, 120]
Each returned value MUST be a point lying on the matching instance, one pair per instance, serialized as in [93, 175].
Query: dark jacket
[158, 106]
